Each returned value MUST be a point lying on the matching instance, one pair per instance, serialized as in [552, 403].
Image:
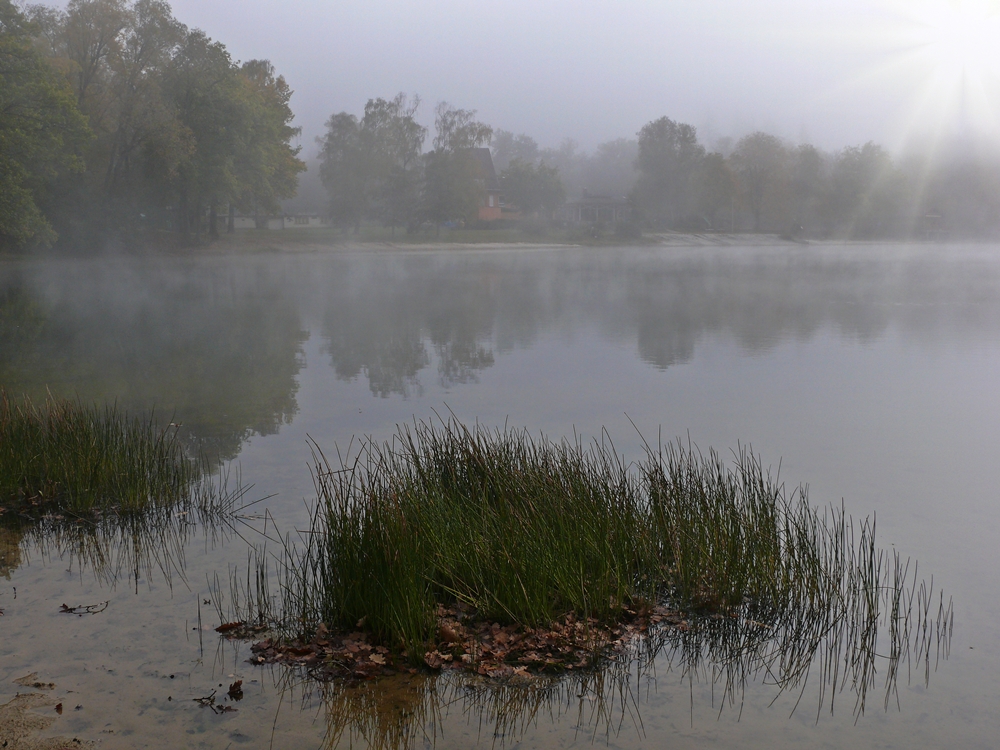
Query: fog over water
[732, 223]
[867, 371]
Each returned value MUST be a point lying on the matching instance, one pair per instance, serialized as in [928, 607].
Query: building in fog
[593, 209]
[489, 202]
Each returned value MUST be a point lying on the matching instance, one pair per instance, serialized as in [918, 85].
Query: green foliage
[265, 167]
[41, 133]
[452, 183]
[66, 457]
[533, 188]
[372, 169]
[343, 171]
[177, 125]
[524, 531]
[668, 162]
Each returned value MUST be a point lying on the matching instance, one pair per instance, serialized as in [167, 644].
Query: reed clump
[64, 457]
[501, 527]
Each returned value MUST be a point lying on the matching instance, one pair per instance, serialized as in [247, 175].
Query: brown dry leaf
[377, 659]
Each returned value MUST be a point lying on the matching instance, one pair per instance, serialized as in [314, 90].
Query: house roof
[487, 172]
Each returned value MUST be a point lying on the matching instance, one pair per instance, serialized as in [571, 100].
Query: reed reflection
[822, 662]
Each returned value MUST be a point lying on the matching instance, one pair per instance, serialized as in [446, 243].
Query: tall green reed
[520, 530]
[68, 457]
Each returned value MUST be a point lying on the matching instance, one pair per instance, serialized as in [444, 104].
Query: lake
[869, 372]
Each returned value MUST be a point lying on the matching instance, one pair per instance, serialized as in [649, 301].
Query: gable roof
[487, 172]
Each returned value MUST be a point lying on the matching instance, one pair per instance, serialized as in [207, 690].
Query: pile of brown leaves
[465, 642]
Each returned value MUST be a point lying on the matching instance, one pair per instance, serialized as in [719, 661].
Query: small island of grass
[457, 547]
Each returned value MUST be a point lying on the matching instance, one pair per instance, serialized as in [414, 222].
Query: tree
[210, 105]
[610, 169]
[760, 162]
[452, 186]
[861, 200]
[716, 191]
[506, 147]
[41, 133]
[178, 126]
[807, 185]
[393, 140]
[114, 54]
[342, 170]
[371, 168]
[533, 188]
[266, 165]
[668, 162]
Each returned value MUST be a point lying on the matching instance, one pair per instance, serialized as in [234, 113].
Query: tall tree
[760, 161]
[668, 162]
[209, 102]
[453, 187]
[342, 170]
[266, 165]
[506, 147]
[393, 141]
[861, 200]
[716, 194]
[41, 133]
[372, 168]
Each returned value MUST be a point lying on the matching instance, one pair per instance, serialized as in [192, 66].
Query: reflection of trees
[381, 315]
[217, 343]
[215, 346]
[384, 316]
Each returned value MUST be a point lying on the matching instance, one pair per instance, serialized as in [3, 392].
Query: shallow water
[868, 372]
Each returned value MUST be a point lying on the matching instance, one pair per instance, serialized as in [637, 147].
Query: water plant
[116, 493]
[447, 523]
[66, 457]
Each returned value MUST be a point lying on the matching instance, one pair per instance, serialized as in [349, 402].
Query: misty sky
[831, 73]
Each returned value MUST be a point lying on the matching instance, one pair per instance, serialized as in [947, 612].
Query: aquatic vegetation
[429, 547]
[112, 492]
[65, 457]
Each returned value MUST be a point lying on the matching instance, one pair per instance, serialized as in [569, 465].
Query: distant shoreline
[306, 241]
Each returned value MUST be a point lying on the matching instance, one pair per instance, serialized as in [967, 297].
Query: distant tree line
[119, 121]
[762, 183]
[374, 168]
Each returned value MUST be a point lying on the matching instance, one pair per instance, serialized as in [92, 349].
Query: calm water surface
[868, 372]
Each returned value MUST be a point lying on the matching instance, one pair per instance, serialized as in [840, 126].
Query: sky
[832, 73]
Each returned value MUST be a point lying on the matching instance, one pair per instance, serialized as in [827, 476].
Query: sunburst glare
[956, 45]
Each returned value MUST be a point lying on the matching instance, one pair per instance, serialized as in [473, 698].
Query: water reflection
[119, 547]
[820, 662]
[218, 342]
[215, 347]
[384, 317]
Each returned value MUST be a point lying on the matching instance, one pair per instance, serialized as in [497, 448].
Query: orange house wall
[488, 212]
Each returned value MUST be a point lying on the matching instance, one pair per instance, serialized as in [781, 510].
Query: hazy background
[833, 74]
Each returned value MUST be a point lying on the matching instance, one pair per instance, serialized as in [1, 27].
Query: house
[489, 203]
[243, 221]
[591, 209]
